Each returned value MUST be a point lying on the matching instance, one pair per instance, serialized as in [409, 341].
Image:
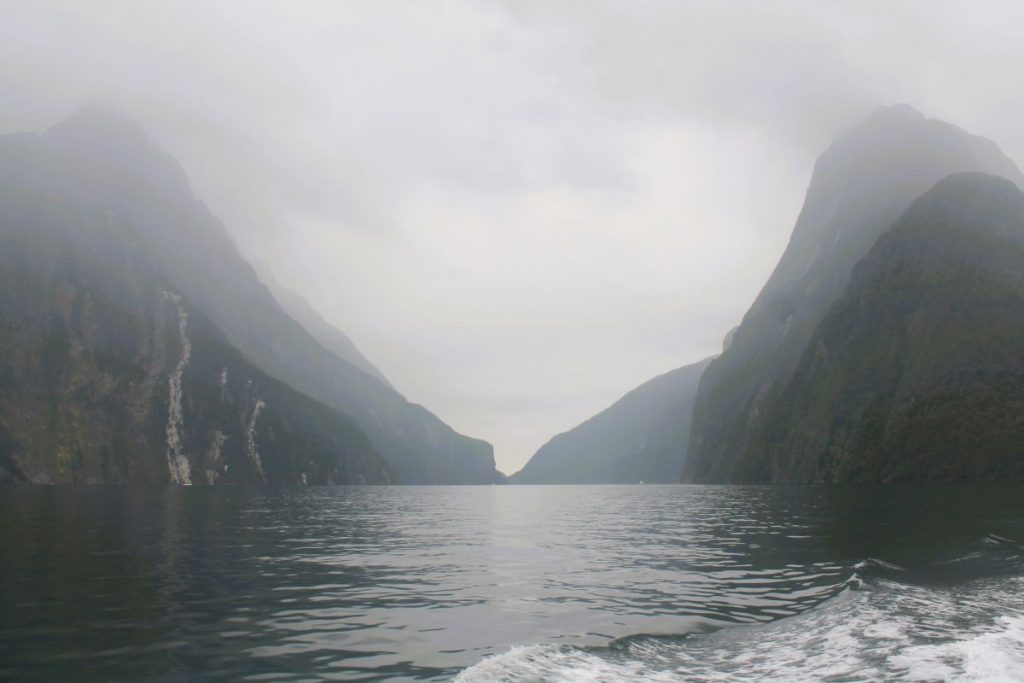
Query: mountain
[328, 336]
[916, 373]
[109, 375]
[642, 437]
[108, 166]
[859, 187]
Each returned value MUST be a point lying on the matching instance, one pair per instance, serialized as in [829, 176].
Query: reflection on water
[421, 582]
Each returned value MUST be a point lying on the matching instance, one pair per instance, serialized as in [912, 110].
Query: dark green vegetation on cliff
[103, 241]
[860, 186]
[917, 372]
[640, 438]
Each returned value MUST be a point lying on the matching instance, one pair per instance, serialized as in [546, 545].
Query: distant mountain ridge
[917, 372]
[860, 186]
[108, 166]
[642, 437]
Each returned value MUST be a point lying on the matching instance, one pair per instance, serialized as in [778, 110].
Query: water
[602, 583]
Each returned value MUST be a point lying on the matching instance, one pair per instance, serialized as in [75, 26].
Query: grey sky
[518, 211]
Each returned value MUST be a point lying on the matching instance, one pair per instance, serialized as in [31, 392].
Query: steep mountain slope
[329, 336]
[108, 375]
[917, 372]
[109, 164]
[641, 437]
[860, 186]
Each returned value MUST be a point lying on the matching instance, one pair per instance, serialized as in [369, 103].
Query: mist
[518, 211]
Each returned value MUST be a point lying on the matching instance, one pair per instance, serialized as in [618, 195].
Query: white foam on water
[995, 656]
[558, 665]
[889, 631]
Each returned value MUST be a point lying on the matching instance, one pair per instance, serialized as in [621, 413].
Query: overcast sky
[519, 211]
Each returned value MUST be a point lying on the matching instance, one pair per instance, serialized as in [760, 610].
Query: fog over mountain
[516, 212]
[861, 184]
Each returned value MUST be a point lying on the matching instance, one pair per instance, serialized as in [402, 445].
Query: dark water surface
[598, 583]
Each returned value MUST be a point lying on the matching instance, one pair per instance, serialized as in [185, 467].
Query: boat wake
[960, 618]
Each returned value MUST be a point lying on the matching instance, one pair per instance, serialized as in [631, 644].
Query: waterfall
[223, 381]
[213, 466]
[250, 440]
[177, 463]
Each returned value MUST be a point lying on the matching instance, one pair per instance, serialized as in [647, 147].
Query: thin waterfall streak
[250, 440]
[177, 462]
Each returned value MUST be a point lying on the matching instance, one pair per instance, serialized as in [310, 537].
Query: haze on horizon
[518, 211]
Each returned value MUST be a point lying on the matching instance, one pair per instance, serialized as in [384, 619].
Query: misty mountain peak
[896, 112]
[115, 153]
[961, 197]
[101, 123]
[991, 186]
[869, 175]
[860, 185]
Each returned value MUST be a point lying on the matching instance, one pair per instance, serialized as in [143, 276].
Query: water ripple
[376, 583]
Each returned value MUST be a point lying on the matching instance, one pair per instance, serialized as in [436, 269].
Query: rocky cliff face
[640, 438]
[108, 166]
[917, 372]
[109, 375]
[860, 186]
